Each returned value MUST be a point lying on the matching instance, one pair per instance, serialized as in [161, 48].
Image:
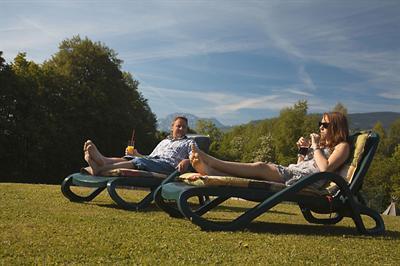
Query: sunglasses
[324, 124]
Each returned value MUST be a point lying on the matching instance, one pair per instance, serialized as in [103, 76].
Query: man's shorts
[152, 165]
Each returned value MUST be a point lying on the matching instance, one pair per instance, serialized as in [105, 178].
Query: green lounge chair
[340, 198]
[136, 178]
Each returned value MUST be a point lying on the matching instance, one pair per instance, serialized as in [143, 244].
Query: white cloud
[391, 94]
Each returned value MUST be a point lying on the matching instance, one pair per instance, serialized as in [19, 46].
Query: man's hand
[183, 165]
[132, 153]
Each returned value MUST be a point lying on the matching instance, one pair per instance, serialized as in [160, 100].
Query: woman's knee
[260, 165]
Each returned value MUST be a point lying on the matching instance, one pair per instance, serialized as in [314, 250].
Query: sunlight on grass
[39, 226]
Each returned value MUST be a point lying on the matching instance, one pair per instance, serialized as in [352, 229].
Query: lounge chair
[340, 197]
[125, 178]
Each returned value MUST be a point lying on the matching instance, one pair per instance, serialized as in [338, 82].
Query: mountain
[164, 124]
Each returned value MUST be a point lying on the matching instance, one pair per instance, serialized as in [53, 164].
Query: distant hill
[357, 121]
[362, 121]
[368, 120]
[164, 124]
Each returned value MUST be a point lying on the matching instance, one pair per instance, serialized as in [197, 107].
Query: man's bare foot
[86, 156]
[93, 168]
[198, 161]
[94, 154]
[85, 145]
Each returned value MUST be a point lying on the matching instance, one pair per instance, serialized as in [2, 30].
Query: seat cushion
[357, 146]
[196, 179]
[132, 173]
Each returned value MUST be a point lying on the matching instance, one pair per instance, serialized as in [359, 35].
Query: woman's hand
[315, 140]
[303, 142]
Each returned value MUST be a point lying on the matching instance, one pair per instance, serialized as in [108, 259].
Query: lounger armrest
[171, 177]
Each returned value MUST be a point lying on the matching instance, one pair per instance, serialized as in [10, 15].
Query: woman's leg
[208, 165]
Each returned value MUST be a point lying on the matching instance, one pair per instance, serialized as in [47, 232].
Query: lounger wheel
[67, 192]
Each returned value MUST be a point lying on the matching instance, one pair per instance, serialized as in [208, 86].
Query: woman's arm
[335, 160]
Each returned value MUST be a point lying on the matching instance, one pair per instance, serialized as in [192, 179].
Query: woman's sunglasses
[324, 124]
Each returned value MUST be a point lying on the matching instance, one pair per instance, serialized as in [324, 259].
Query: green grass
[39, 226]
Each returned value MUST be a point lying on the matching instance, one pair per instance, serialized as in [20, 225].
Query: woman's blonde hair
[338, 129]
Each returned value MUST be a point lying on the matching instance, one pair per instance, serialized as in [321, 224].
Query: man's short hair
[180, 117]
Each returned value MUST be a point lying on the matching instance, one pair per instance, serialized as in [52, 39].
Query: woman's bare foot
[198, 161]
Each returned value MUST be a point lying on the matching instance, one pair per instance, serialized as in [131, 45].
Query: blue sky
[236, 61]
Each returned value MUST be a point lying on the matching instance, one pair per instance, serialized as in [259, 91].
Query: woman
[326, 153]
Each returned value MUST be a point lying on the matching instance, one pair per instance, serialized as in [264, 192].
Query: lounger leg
[67, 192]
[312, 219]
[379, 227]
[210, 204]
[162, 204]
[236, 224]
[112, 191]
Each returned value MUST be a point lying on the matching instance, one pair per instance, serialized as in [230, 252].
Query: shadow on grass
[243, 209]
[312, 229]
[153, 208]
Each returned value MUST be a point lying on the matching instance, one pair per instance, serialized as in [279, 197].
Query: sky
[235, 61]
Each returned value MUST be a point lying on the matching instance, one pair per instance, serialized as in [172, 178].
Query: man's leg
[96, 169]
[91, 151]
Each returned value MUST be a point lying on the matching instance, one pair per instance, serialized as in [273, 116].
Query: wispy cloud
[306, 79]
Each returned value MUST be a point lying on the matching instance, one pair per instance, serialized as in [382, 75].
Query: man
[170, 154]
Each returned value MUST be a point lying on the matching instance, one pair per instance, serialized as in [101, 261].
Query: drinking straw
[133, 136]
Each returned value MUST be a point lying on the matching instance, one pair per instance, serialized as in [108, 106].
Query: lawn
[39, 226]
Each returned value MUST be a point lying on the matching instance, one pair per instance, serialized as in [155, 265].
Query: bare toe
[86, 156]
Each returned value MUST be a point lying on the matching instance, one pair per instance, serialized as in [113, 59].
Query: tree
[287, 130]
[237, 146]
[380, 130]
[100, 101]
[265, 151]
[206, 127]
[339, 107]
[395, 178]
[393, 138]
